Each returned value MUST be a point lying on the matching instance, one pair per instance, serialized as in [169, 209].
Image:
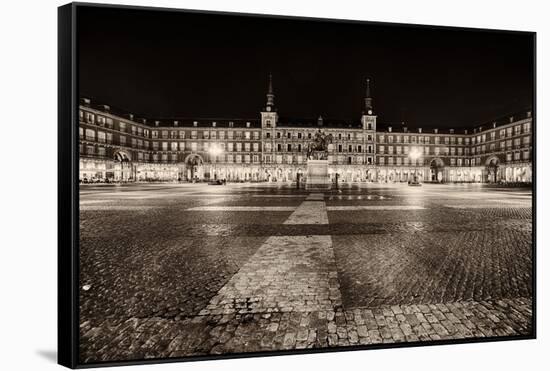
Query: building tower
[368, 100]
[270, 105]
[368, 122]
[269, 123]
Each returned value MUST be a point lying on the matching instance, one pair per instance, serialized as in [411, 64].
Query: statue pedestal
[317, 175]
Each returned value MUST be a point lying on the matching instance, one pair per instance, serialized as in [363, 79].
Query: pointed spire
[368, 100]
[270, 105]
[368, 88]
[270, 88]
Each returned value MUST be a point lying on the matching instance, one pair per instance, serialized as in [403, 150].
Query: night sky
[172, 64]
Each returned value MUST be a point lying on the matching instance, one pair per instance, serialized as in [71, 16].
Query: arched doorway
[492, 165]
[436, 170]
[123, 166]
[194, 164]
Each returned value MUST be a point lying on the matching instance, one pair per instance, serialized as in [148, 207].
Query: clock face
[370, 112]
[268, 109]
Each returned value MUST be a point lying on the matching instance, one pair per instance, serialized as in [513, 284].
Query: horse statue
[318, 149]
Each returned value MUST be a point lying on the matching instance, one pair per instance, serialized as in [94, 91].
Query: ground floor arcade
[97, 170]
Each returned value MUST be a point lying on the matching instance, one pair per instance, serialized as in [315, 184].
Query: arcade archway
[436, 170]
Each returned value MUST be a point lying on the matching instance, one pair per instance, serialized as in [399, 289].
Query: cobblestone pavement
[181, 270]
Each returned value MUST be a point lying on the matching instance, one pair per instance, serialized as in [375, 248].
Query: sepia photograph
[256, 185]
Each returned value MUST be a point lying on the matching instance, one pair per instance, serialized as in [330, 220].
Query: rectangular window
[90, 135]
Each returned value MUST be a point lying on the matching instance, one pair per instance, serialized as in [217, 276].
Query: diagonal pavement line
[286, 274]
[312, 211]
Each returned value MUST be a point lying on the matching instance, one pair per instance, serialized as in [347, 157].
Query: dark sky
[166, 64]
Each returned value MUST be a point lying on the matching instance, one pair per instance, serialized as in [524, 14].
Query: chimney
[452, 131]
[419, 130]
[157, 122]
[176, 123]
[529, 114]
[494, 125]
[435, 131]
[131, 115]
[106, 107]
[389, 129]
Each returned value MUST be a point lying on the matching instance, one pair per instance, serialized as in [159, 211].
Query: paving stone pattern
[159, 280]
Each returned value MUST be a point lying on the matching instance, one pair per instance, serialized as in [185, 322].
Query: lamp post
[214, 151]
[414, 155]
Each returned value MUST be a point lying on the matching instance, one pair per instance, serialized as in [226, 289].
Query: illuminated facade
[118, 146]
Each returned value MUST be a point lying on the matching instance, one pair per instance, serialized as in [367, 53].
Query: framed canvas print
[235, 185]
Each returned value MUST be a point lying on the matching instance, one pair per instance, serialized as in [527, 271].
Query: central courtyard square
[171, 270]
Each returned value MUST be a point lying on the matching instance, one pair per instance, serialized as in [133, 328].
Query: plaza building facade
[119, 146]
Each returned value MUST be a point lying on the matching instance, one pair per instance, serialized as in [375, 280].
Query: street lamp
[215, 150]
[414, 155]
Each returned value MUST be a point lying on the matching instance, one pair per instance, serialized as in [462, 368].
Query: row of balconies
[239, 135]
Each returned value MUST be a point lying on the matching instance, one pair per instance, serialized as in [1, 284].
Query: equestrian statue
[318, 148]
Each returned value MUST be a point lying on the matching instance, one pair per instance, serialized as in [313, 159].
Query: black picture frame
[68, 198]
